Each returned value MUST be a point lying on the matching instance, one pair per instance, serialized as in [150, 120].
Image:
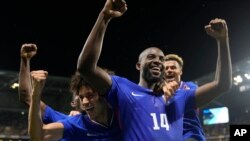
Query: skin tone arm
[217, 28]
[28, 51]
[38, 131]
[88, 58]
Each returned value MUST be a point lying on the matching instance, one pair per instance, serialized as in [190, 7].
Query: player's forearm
[218, 65]
[35, 122]
[25, 88]
[223, 76]
[225, 73]
[90, 54]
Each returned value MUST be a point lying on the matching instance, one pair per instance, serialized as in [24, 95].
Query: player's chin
[156, 78]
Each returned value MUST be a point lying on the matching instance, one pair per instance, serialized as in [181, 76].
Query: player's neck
[106, 117]
[145, 84]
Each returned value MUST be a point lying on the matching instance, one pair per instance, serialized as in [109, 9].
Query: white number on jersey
[163, 121]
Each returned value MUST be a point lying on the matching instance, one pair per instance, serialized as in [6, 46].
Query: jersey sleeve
[72, 126]
[112, 97]
[190, 99]
[51, 115]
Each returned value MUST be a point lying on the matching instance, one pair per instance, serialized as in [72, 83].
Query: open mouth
[170, 77]
[156, 69]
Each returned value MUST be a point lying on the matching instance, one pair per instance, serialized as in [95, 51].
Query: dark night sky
[60, 30]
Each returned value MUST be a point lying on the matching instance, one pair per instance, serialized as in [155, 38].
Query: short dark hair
[77, 81]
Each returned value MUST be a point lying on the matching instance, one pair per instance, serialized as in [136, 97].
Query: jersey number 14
[163, 121]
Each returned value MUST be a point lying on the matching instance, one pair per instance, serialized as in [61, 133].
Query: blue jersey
[192, 125]
[81, 128]
[145, 116]
[51, 115]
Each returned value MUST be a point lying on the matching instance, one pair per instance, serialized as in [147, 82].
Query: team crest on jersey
[186, 87]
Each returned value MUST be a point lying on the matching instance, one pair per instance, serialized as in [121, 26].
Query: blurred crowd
[13, 124]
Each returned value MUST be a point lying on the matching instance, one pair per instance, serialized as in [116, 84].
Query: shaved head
[147, 51]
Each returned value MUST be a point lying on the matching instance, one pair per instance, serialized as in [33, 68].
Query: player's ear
[138, 66]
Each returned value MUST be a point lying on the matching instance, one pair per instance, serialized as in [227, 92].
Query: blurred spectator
[13, 124]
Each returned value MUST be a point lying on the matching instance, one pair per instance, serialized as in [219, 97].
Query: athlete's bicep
[53, 131]
[100, 80]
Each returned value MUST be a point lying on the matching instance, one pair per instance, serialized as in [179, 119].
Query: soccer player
[99, 122]
[192, 126]
[144, 115]
[217, 28]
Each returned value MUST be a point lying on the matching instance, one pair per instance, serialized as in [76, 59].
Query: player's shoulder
[122, 81]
